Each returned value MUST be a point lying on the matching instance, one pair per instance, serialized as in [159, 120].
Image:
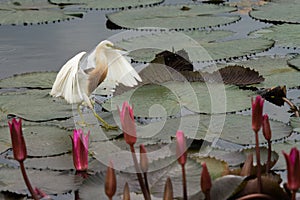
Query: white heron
[83, 73]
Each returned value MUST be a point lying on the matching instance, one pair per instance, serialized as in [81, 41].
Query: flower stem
[27, 182]
[184, 183]
[146, 182]
[139, 174]
[269, 156]
[294, 195]
[259, 187]
[293, 107]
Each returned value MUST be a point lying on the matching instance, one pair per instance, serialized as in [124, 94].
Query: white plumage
[83, 73]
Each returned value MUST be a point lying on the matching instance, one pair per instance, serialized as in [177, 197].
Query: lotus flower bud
[128, 123]
[257, 109]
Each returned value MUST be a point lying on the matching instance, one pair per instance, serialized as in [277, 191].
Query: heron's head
[108, 45]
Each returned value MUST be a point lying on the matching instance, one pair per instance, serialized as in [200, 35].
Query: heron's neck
[100, 58]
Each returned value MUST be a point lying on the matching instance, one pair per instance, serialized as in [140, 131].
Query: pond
[200, 62]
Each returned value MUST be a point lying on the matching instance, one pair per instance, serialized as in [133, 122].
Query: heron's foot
[105, 125]
[109, 127]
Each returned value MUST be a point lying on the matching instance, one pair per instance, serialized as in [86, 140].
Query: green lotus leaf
[235, 129]
[106, 4]
[169, 98]
[35, 105]
[40, 140]
[284, 35]
[145, 47]
[278, 12]
[295, 62]
[42, 80]
[275, 71]
[50, 182]
[157, 179]
[32, 12]
[174, 17]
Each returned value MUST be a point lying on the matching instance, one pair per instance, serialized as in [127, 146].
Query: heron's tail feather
[66, 83]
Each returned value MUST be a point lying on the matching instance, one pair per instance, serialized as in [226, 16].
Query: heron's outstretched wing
[120, 70]
[67, 82]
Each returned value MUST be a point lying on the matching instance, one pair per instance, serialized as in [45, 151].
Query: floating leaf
[274, 70]
[29, 104]
[32, 12]
[145, 47]
[174, 17]
[278, 12]
[39, 80]
[285, 146]
[167, 99]
[93, 187]
[48, 181]
[62, 162]
[284, 35]
[295, 62]
[106, 4]
[158, 179]
[216, 168]
[41, 140]
[235, 128]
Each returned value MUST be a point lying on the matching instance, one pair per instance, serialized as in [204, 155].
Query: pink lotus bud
[257, 109]
[293, 169]
[126, 192]
[205, 179]
[266, 127]
[17, 139]
[128, 123]
[168, 193]
[143, 158]
[181, 148]
[110, 181]
[80, 147]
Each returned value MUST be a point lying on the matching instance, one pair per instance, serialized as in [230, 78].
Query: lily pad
[48, 181]
[34, 105]
[145, 47]
[32, 12]
[235, 128]
[286, 147]
[107, 4]
[167, 99]
[41, 140]
[275, 71]
[174, 17]
[278, 12]
[39, 80]
[284, 35]
[295, 62]
[158, 179]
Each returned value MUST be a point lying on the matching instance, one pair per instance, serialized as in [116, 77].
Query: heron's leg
[104, 123]
[82, 122]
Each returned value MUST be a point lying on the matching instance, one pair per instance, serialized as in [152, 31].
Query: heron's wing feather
[120, 70]
[67, 82]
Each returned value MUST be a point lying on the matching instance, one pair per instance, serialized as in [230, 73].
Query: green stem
[139, 174]
[184, 183]
[27, 182]
[259, 186]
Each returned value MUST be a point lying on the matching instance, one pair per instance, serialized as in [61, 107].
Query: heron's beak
[118, 48]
